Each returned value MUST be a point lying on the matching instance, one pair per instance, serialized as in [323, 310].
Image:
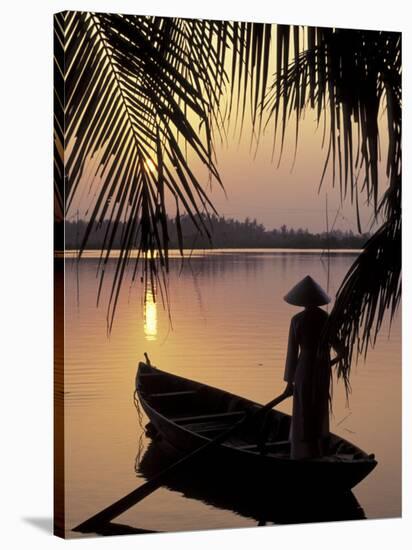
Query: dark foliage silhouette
[225, 233]
[141, 92]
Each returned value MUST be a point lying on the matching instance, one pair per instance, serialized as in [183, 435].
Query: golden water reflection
[230, 329]
[150, 316]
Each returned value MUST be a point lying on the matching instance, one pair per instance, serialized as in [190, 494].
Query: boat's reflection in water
[221, 490]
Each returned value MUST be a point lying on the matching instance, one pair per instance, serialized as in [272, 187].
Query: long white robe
[309, 371]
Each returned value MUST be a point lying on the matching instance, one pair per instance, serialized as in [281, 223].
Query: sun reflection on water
[150, 316]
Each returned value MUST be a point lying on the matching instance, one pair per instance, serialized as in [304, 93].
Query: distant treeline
[225, 233]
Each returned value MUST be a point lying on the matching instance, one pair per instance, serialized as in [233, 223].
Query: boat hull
[271, 471]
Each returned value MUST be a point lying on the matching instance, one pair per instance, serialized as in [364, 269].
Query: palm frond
[147, 92]
[371, 288]
[348, 77]
[58, 124]
[344, 75]
[135, 90]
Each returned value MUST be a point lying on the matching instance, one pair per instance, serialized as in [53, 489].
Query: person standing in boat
[308, 370]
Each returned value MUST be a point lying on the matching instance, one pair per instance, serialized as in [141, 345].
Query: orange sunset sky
[257, 187]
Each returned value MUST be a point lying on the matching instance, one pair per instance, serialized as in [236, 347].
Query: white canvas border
[26, 272]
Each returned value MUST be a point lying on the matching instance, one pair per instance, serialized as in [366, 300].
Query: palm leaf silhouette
[149, 91]
[348, 77]
[133, 85]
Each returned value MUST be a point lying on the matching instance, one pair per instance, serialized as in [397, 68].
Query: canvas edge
[58, 267]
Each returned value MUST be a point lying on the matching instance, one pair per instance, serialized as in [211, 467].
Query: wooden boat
[185, 414]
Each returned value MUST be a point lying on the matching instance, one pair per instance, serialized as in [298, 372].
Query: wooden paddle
[158, 480]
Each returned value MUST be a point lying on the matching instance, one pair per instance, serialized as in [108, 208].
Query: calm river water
[228, 328]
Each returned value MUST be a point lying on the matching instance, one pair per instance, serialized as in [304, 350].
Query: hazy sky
[256, 187]
[286, 194]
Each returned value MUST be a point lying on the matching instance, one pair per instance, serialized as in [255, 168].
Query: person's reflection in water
[308, 370]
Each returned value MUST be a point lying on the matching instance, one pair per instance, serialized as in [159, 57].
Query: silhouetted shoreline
[224, 233]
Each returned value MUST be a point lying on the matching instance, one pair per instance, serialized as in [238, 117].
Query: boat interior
[207, 412]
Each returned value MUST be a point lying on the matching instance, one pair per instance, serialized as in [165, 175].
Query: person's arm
[291, 359]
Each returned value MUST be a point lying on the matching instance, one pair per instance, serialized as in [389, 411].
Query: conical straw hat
[307, 293]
